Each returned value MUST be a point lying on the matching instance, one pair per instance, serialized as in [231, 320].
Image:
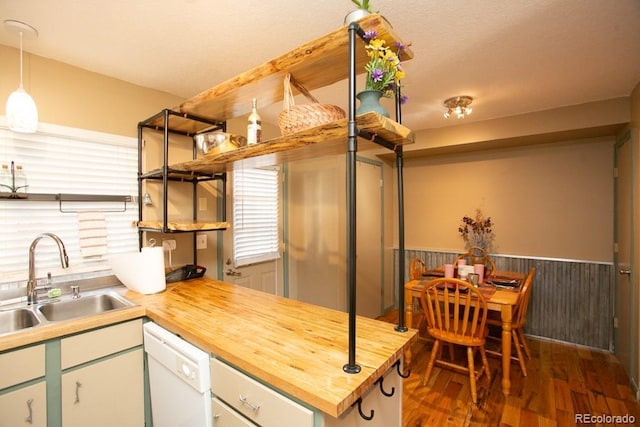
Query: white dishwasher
[179, 380]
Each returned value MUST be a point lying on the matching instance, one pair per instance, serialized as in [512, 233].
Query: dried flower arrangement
[477, 231]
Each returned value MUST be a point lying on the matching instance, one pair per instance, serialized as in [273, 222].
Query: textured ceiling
[512, 56]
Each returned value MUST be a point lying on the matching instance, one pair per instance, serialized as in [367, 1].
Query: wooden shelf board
[179, 175]
[180, 124]
[328, 139]
[318, 63]
[186, 225]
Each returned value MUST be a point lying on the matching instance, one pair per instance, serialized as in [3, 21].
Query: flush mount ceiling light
[21, 111]
[458, 105]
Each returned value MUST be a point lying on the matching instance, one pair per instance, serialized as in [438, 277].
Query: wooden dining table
[503, 300]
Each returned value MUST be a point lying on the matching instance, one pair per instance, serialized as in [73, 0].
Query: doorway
[316, 233]
[369, 238]
[260, 275]
[625, 321]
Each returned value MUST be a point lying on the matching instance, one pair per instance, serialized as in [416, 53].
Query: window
[255, 215]
[64, 160]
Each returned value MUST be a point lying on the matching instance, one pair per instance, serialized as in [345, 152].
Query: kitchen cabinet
[225, 416]
[241, 401]
[255, 401]
[23, 393]
[107, 393]
[102, 377]
[26, 406]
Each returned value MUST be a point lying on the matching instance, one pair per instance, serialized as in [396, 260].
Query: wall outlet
[201, 241]
[168, 245]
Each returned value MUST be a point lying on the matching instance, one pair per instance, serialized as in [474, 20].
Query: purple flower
[404, 99]
[400, 46]
[370, 35]
[376, 75]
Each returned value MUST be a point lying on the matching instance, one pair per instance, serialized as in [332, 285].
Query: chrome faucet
[32, 288]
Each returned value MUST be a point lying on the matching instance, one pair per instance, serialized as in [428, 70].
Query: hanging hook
[397, 365]
[366, 417]
[391, 393]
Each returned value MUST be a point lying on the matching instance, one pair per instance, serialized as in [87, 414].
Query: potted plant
[384, 72]
[364, 9]
[363, 4]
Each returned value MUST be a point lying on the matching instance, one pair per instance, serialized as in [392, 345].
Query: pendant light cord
[21, 59]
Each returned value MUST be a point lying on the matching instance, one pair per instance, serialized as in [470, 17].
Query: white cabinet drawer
[93, 345]
[22, 365]
[224, 416]
[260, 404]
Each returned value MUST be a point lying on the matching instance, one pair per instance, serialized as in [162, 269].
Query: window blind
[55, 160]
[255, 215]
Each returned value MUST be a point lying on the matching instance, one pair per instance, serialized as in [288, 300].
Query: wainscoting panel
[570, 300]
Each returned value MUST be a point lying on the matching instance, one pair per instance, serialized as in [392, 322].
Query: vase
[370, 101]
[355, 15]
[358, 14]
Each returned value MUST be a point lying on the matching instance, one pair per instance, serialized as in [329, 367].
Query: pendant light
[21, 110]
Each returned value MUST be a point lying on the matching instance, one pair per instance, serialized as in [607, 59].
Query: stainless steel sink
[17, 319]
[86, 305]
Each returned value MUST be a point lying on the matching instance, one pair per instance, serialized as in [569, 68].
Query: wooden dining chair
[456, 313]
[519, 320]
[417, 268]
[489, 264]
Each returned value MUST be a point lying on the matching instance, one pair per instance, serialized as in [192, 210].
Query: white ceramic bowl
[219, 142]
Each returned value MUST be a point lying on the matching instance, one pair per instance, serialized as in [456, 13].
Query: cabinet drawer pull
[29, 419]
[245, 401]
[78, 385]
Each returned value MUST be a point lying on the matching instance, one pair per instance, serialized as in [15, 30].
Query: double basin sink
[61, 309]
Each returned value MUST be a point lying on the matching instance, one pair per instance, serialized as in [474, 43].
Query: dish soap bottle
[254, 125]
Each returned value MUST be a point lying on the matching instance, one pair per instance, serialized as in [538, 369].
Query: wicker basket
[295, 118]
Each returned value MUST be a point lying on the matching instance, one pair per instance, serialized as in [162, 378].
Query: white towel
[92, 233]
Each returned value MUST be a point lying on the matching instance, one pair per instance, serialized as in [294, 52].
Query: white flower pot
[355, 15]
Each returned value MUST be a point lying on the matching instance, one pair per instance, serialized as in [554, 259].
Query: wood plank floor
[563, 380]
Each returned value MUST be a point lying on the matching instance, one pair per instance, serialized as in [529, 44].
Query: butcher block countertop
[295, 347]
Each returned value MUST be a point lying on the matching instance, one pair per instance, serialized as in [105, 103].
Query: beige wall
[552, 200]
[544, 177]
[73, 97]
